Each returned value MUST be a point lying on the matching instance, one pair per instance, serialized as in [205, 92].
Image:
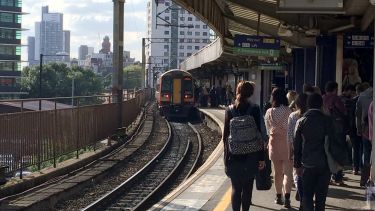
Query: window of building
[182, 40]
[166, 40]
[190, 40]
[204, 33]
[182, 33]
[196, 40]
[190, 19]
[166, 54]
[189, 47]
[205, 26]
[6, 17]
[8, 50]
[206, 40]
[190, 26]
[182, 47]
[167, 11]
[166, 46]
[182, 18]
[197, 33]
[197, 26]
[181, 60]
[7, 34]
[6, 66]
[196, 47]
[166, 32]
[165, 61]
[182, 11]
[167, 4]
[189, 33]
[167, 18]
[181, 54]
[188, 54]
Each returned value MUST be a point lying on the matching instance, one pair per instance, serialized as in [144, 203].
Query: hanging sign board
[358, 40]
[256, 46]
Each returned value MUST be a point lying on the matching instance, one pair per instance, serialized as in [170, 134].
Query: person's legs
[247, 193]
[321, 189]
[278, 177]
[308, 184]
[288, 180]
[288, 175]
[356, 144]
[366, 161]
[236, 193]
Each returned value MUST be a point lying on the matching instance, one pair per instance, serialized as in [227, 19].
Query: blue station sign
[358, 40]
[256, 45]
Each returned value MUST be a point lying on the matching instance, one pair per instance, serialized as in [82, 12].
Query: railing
[29, 138]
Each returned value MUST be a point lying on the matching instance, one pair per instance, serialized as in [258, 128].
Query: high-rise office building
[90, 50]
[10, 47]
[174, 34]
[66, 44]
[50, 38]
[31, 51]
[83, 51]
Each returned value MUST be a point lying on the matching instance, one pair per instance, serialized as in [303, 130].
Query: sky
[89, 21]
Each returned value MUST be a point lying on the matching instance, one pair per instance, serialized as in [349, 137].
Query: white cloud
[89, 21]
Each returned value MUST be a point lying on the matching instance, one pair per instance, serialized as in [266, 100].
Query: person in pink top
[276, 120]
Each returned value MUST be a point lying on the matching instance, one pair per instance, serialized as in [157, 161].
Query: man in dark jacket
[309, 153]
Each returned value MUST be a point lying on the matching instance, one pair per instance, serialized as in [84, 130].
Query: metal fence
[29, 138]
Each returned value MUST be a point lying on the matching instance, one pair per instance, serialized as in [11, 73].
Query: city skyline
[93, 16]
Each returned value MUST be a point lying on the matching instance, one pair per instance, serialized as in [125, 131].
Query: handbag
[263, 177]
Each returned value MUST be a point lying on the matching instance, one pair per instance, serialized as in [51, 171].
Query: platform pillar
[339, 61]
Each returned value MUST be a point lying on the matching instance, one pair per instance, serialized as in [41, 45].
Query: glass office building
[10, 47]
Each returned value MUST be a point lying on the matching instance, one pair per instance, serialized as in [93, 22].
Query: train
[175, 94]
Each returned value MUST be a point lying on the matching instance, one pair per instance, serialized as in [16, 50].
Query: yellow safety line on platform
[224, 201]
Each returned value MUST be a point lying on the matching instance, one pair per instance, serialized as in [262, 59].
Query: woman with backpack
[276, 120]
[243, 146]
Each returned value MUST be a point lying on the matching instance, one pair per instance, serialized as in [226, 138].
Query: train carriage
[175, 94]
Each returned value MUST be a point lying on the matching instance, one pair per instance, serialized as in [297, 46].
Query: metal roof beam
[368, 17]
[268, 9]
[297, 39]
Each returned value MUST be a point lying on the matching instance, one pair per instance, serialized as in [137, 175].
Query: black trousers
[315, 183]
[242, 191]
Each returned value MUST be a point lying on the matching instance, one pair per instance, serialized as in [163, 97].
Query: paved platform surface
[212, 191]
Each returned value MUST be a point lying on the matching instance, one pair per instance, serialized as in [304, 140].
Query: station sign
[256, 46]
[271, 66]
[358, 40]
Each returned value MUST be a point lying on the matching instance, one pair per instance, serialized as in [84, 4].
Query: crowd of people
[214, 96]
[310, 137]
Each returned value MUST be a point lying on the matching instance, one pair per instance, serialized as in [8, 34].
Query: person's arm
[297, 145]
[358, 116]
[228, 116]
[267, 121]
[291, 127]
[258, 121]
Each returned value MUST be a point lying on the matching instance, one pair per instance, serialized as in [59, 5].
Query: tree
[133, 77]
[57, 81]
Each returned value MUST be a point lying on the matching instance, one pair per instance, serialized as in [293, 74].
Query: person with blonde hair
[291, 96]
[352, 76]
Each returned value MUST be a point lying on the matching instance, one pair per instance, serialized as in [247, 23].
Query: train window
[166, 84]
[188, 85]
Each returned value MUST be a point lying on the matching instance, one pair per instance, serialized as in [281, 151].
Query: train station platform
[209, 188]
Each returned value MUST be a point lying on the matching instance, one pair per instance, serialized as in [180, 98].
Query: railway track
[179, 156]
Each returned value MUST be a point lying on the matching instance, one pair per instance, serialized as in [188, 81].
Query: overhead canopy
[319, 17]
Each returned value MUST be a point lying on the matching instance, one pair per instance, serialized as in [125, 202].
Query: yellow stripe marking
[224, 201]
